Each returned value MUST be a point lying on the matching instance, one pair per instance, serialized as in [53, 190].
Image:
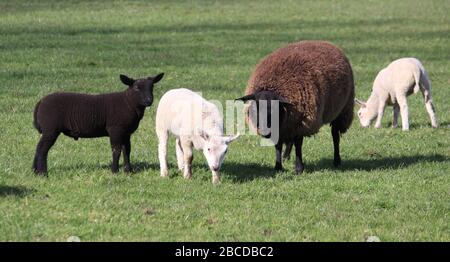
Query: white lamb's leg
[395, 117]
[429, 106]
[187, 156]
[180, 155]
[162, 152]
[403, 111]
[381, 106]
[215, 177]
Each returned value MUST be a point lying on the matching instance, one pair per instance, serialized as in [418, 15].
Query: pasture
[392, 184]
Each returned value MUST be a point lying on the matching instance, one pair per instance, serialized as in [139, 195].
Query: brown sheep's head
[267, 108]
[141, 90]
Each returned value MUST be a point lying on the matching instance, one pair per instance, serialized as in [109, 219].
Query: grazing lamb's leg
[395, 115]
[162, 153]
[188, 156]
[44, 145]
[336, 137]
[215, 177]
[381, 107]
[278, 152]
[403, 112]
[298, 155]
[180, 154]
[287, 151]
[126, 148]
[429, 106]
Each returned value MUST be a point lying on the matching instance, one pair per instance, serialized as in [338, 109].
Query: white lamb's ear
[204, 135]
[229, 139]
[359, 102]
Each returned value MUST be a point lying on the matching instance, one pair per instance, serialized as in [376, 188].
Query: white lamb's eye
[209, 149]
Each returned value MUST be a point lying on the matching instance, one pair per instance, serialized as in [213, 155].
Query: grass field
[392, 184]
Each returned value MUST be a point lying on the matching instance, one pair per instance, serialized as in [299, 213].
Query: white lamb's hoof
[187, 176]
[377, 126]
[164, 173]
[394, 126]
[216, 180]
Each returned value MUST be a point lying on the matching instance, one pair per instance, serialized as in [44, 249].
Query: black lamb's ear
[246, 98]
[157, 78]
[126, 80]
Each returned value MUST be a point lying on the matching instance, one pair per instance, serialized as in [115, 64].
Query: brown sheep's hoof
[40, 172]
[278, 167]
[299, 169]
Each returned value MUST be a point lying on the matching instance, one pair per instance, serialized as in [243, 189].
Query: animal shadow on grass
[137, 167]
[18, 191]
[377, 163]
[244, 172]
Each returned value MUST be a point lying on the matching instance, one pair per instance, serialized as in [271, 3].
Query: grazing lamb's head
[215, 148]
[365, 113]
[263, 109]
[141, 90]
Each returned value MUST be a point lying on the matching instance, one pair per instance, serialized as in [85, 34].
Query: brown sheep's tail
[35, 122]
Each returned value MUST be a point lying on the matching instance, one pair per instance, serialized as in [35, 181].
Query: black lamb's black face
[142, 88]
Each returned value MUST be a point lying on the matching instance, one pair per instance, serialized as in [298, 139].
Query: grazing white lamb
[194, 122]
[392, 85]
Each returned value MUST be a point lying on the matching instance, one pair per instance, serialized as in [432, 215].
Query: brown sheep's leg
[298, 155]
[126, 148]
[40, 159]
[287, 151]
[278, 161]
[336, 138]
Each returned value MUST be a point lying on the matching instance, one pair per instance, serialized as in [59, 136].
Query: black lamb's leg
[42, 148]
[336, 138]
[278, 150]
[298, 155]
[126, 148]
[115, 138]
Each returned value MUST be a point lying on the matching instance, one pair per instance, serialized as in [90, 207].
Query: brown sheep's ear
[126, 80]
[157, 78]
[246, 98]
[284, 103]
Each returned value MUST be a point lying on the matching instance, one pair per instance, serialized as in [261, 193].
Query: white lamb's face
[364, 116]
[215, 149]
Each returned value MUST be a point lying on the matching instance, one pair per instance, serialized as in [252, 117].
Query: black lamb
[116, 115]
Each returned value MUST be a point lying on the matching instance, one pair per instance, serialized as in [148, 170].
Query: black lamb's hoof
[128, 170]
[337, 162]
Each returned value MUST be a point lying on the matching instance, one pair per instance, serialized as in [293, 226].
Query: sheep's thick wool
[316, 78]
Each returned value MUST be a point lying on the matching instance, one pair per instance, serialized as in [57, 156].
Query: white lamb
[194, 122]
[391, 87]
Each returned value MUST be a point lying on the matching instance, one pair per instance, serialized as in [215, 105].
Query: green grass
[392, 184]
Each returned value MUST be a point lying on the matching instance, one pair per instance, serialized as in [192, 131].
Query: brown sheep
[116, 115]
[313, 82]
